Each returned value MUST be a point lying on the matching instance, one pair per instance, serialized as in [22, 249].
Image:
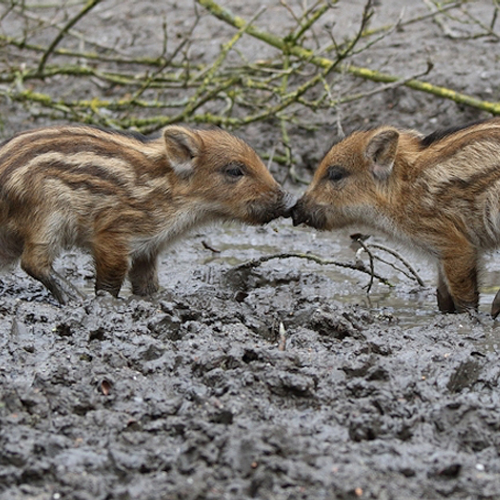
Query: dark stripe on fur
[471, 187]
[67, 144]
[443, 133]
[130, 134]
[90, 172]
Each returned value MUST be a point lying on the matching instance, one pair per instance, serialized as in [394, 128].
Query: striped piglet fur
[123, 198]
[440, 194]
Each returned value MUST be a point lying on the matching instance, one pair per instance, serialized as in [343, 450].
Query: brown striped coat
[122, 197]
[439, 194]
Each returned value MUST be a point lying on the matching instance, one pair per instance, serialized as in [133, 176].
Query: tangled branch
[361, 72]
[143, 92]
[243, 269]
[240, 273]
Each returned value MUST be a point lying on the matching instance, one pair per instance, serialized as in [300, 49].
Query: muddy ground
[197, 394]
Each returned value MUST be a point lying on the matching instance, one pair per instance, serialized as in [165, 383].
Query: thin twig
[450, 33]
[400, 258]
[313, 258]
[306, 26]
[90, 5]
[91, 56]
[209, 247]
[361, 72]
[384, 88]
[372, 268]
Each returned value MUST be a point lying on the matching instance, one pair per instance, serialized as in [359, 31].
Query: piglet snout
[288, 204]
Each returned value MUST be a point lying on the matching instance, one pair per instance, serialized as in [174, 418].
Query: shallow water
[406, 303]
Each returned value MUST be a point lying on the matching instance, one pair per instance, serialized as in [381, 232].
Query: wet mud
[284, 380]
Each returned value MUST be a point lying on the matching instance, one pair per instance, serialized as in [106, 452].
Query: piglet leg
[460, 268]
[111, 262]
[143, 275]
[37, 262]
[444, 298]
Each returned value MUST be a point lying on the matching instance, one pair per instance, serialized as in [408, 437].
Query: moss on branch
[361, 72]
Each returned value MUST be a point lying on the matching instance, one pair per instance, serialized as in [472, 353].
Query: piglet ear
[381, 152]
[182, 146]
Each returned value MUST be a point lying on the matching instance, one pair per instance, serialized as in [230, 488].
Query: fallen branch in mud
[412, 274]
[358, 266]
[439, 15]
[361, 72]
[89, 5]
[408, 271]
[142, 93]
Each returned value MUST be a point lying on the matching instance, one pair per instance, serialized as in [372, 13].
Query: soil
[282, 381]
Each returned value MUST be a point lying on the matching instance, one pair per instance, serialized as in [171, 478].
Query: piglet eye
[336, 173]
[234, 170]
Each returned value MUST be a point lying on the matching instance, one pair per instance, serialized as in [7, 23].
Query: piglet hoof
[445, 301]
[64, 291]
[495, 305]
[474, 317]
[67, 297]
[470, 311]
[107, 297]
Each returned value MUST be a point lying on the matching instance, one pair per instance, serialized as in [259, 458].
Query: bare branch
[365, 73]
[89, 6]
[248, 266]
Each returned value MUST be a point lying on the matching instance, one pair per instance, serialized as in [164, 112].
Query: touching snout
[278, 205]
[285, 205]
[305, 212]
[288, 204]
[298, 213]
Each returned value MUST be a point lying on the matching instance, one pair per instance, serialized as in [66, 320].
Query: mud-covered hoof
[64, 291]
[445, 301]
[495, 305]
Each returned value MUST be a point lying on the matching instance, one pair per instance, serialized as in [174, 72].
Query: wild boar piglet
[123, 198]
[439, 193]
